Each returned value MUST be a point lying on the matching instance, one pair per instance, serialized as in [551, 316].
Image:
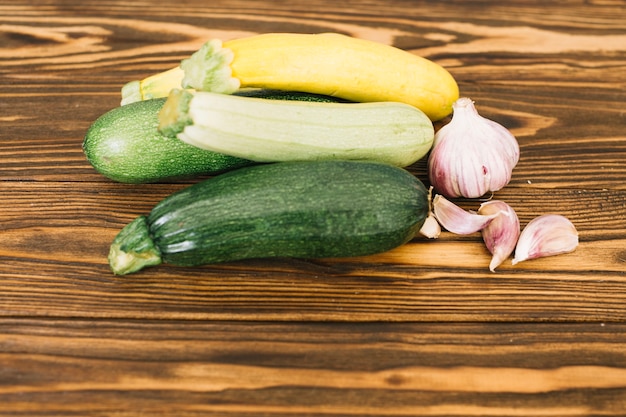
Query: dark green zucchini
[290, 209]
[288, 95]
[125, 145]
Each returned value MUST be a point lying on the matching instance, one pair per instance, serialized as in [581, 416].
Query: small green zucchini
[125, 145]
[280, 130]
[290, 209]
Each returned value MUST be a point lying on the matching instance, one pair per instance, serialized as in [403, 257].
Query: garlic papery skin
[501, 234]
[457, 220]
[471, 155]
[546, 235]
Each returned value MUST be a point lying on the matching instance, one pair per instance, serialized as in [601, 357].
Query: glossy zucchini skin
[291, 209]
[125, 145]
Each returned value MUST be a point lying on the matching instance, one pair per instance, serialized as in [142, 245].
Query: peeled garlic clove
[457, 220]
[501, 234]
[471, 155]
[431, 228]
[546, 235]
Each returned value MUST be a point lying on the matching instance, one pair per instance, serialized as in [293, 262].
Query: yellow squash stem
[329, 63]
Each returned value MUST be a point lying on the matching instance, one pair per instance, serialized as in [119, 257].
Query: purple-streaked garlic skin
[471, 155]
[546, 235]
[457, 220]
[501, 234]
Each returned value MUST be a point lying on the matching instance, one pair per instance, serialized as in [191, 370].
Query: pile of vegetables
[306, 139]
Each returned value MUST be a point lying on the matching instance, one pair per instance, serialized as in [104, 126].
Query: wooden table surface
[422, 330]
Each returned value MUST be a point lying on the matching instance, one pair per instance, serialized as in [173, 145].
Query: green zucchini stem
[208, 69]
[174, 114]
[133, 248]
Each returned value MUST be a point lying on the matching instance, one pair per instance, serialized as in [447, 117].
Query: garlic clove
[501, 234]
[457, 220]
[471, 155]
[431, 228]
[546, 235]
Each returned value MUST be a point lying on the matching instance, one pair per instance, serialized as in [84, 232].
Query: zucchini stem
[133, 248]
[208, 69]
[174, 114]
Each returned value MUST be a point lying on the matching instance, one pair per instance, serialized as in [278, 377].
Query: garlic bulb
[471, 155]
[546, 235]
[501, 234]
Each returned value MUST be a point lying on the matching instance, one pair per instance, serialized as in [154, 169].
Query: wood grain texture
[193, 368]
[425, 329]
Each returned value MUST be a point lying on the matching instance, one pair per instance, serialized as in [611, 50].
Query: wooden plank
[191, 368]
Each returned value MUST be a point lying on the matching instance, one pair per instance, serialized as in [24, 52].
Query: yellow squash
[329, 63]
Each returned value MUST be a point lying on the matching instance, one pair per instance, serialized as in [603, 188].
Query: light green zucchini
[280, 130]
